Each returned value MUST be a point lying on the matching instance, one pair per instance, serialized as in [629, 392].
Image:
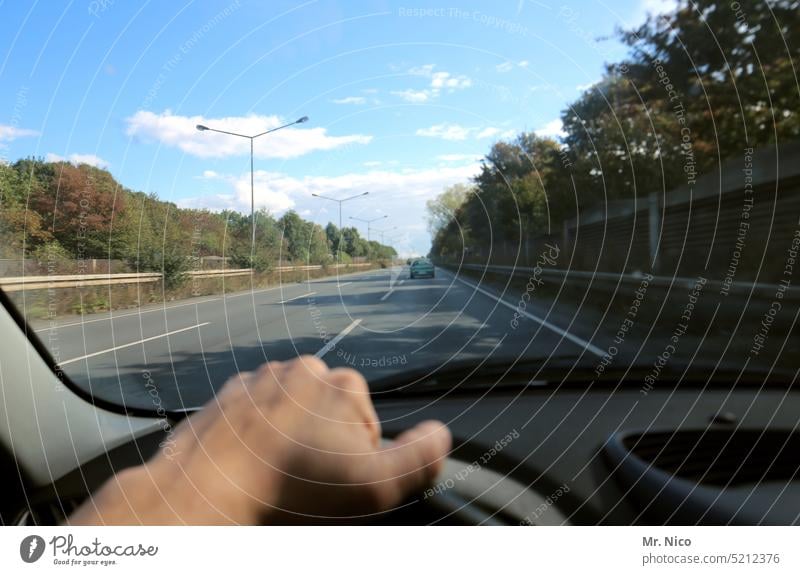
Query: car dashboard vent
[720, 457]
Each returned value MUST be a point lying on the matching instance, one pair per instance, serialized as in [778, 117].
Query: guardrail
[608, 281]
[20, 283]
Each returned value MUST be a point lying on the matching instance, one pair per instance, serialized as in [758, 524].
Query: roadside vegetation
[701, 84]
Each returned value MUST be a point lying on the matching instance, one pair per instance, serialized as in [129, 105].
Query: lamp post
[369, 223]
[340, 202]
[381, 232]
[202, 128]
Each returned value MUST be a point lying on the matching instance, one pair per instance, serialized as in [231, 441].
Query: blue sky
[403, 97]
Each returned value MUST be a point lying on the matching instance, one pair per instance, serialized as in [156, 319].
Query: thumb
[412, 461]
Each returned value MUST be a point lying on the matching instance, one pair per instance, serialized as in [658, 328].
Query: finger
[412, 461]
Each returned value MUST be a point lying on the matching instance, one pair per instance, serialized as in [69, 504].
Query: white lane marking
[344, 284]
[387, 294]
[544, 323]
[309, 294]
[401, 282]
[115, 316]
[332, 343]
[140, 312]
[102, 351]
[252, 292]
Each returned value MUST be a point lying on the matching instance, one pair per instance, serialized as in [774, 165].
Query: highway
[379, 322]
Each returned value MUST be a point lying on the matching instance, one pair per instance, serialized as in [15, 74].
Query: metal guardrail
[10, 284]
[609, 280]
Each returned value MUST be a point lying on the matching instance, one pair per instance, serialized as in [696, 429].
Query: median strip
[87, 356]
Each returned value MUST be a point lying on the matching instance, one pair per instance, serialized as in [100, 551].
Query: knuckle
[311, 364]
[348, 380]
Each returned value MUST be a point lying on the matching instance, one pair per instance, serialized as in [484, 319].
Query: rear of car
[421, 268]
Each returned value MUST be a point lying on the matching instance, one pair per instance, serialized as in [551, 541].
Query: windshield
[188, 194]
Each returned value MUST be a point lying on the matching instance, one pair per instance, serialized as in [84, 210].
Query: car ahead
[421, 268]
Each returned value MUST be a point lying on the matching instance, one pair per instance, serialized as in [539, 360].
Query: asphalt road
[379, 322]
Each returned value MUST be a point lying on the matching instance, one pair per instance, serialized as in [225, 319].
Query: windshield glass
[188, 193]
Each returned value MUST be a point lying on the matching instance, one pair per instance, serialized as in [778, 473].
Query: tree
[297, 233]
[443, 207]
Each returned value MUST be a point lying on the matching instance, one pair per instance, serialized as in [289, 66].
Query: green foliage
[703, 79]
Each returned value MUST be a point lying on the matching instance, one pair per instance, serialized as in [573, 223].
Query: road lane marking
[544, 323]
[344, 284]
[332, 343]
[387, 294]
[227, 296]
[251, 292]
[115, 316]
[309, 294]
[102, 351]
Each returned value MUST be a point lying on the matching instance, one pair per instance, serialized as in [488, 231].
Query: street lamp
[202, 128]
[369, 223]
[381, 232]
[340, 202]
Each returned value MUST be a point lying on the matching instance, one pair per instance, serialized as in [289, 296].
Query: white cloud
[357, 100]
[439, 81]
[508, 66]
[9, 133]
[401, 194]
[446, 80]
[488, 132]
[445, 131]
[648, 7]
[180, 132]
[459, 157]
[372, 164]
[278, 191]
[457, 132]
[552, 129]
[413, 96]
[90, 159]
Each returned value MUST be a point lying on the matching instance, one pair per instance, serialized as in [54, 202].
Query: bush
[172, 266]
[52, 254]
[259, 262]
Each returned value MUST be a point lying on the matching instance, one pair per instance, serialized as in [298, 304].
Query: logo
[31, 548]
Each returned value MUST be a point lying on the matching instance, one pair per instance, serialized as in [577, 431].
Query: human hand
[289, 442]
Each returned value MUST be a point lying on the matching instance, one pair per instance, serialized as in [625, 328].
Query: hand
[292, 441]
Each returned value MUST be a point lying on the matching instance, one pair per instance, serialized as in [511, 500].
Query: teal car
[421, 268]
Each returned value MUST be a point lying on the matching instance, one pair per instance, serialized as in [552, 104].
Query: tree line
[699, 85]
[64, 212]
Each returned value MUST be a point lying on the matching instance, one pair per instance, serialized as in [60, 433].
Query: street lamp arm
[300, 121]
[202, 128]
[354, 197]
[326, 198]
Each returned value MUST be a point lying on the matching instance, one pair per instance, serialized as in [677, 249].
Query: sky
[403, 98]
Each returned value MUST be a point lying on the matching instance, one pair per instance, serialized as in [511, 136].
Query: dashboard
[579, 456]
